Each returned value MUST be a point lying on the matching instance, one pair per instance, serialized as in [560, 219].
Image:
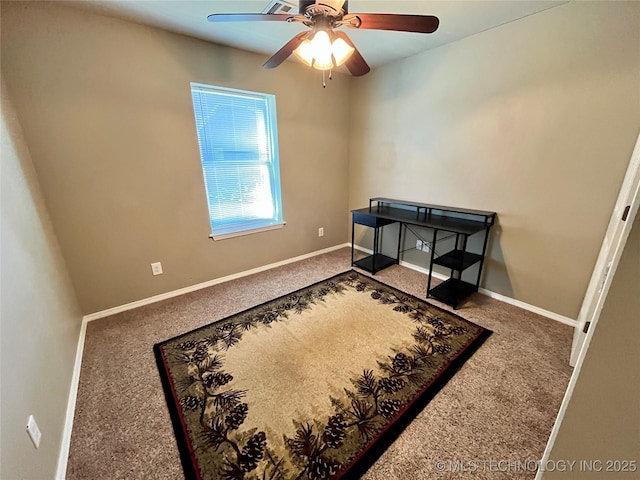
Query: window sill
[223, 236]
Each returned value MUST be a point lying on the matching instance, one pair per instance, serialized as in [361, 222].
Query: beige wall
[535, 120]
[106, 110]
[40, 317]
[602, 421]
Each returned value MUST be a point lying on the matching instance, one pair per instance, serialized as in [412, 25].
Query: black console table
[459, 222]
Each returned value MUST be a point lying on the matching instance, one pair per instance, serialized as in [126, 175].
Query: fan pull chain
[324, 82]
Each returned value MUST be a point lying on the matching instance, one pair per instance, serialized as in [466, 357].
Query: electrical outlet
[34, 431]
[321, 232]
[156, 268]
[422, 246]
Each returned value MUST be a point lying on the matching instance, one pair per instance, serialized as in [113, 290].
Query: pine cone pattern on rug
[191, 403]
[321, 468]
[217, 379]
[401, 362]
[237, 416]
[252, 452]
[334, 433]
[211, 399]
[391, 385]
[388, 408]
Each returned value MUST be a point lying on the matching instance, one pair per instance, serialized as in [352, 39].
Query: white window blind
[238, 139]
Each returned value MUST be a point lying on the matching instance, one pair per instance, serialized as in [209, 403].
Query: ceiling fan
[325, 47]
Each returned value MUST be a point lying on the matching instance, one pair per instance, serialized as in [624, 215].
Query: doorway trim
[604, 272]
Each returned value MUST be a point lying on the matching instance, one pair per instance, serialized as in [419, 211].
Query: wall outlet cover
[34, 431]
[156, 268]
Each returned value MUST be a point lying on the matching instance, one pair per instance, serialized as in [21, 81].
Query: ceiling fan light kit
[325, 47]
[322, 53]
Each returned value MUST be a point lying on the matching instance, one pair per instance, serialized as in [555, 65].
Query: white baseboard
[181, 291]
[63, 457]
[503, 298]
[532, 308]
[75, 379]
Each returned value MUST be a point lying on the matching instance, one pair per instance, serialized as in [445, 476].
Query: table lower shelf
[375, 263]
[452, 291]
[458, 259]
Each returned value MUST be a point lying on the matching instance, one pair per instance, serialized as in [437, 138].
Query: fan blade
[248, 17]
[391, 21]
[355, 63]
[288, 48]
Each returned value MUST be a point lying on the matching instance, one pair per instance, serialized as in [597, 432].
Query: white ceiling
[458, 19]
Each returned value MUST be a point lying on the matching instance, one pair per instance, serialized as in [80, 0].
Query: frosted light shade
[321, 50]
[341, 51]
[303, 52]
[321, 53]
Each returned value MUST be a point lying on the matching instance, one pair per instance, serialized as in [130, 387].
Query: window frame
[255, 225]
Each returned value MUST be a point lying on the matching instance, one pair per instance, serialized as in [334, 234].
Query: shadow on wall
[207, 59]
[495, 276]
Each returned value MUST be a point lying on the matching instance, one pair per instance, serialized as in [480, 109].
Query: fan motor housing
[329, 7]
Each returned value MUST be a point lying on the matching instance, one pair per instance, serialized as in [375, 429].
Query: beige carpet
[499, 407]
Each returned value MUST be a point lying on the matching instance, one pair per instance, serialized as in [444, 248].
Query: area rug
[314, 384]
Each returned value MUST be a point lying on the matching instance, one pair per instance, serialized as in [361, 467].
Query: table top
[482, 213]
[427, 219]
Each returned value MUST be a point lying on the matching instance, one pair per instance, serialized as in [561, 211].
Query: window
[238, 139]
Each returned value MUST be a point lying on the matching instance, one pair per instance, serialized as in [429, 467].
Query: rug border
[376, 446]
[185, 449]
[392, 430]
